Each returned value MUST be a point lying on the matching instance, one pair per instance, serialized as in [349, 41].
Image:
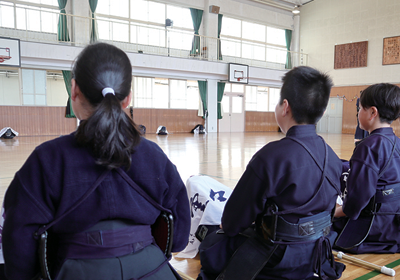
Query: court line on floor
[375, 273]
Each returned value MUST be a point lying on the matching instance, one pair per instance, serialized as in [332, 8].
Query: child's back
[373, 184]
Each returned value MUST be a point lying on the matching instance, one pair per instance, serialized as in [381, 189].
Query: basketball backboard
[10, 52]
[238, 73]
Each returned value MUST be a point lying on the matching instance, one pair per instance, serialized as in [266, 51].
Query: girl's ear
[75, 90]
[127, 100]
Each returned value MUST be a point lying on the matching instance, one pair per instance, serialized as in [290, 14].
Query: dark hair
[385, 97]
[109, 131]
[307, 90]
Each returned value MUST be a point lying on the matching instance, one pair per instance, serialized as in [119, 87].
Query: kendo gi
[55, 176]
[371, 202]
[284, 174]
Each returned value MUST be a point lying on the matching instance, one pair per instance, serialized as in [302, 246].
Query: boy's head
[307, 90]
[386, 99]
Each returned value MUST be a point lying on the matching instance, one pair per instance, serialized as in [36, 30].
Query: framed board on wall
[352, 55]
[10, 54]
[391, 50]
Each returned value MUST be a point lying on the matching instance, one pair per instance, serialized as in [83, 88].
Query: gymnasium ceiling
[287, 5]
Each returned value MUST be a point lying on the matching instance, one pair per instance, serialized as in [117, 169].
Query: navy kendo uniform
[55, 176]
[297, 178]
[373, 192]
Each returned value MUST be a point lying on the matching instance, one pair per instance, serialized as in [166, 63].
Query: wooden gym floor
[222, 156]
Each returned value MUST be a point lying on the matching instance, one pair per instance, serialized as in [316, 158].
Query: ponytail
[111, 134]
[104, 75]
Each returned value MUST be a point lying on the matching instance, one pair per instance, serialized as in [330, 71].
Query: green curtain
[93, 32]
[288, 35]
[197, 16]
[69, 113]
[221, 88]
[62, 28]
[219, 36]
[203, 96]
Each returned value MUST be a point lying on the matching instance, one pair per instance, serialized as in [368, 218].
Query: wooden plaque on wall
[391, 50]
[351, 55]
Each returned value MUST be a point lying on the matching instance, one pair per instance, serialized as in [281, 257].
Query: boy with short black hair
[289, 189]
[373, 184]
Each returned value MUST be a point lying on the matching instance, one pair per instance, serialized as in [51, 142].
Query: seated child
[371, 204]
[289, 190]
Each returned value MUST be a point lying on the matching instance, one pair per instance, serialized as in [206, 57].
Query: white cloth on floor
[207, 201]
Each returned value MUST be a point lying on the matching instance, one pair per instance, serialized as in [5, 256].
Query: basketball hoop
[5, 57]
[239, 75]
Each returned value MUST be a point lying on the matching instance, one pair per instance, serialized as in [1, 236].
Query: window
[253, 41]
[160, 93]
[178, 94]
[274, 95]
[40, 15]
[33, 87]
[262, 99]
[165, 93]
[143, 22]
[141, 89]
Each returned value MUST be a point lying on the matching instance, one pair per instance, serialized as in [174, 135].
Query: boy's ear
[286, 107]
[374, 112]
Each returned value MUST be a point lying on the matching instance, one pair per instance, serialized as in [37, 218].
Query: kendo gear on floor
[162, 130]
[142, 129]
[8, 133]
[198, 129]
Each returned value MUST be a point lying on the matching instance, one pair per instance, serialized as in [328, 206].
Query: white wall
[325, 23]
[9, 91]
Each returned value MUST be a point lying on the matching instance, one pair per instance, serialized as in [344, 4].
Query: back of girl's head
[385, 97]
[109, 132]
[307, 90]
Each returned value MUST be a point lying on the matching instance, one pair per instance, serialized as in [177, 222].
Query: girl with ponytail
[98, 190]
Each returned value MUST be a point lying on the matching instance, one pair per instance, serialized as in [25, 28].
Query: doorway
[331, 121]
[233, 113]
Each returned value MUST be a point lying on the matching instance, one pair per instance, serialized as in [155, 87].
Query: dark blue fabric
[367, 161]
[59, 172]
[284, 173]
[296, 261]
[131, 266]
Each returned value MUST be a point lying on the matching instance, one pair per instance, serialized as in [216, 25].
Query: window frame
[253, 43]
[24, 5]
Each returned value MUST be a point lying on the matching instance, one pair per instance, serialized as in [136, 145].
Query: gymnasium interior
[214, 63]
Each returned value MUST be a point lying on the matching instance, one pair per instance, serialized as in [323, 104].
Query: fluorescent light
[296, 10]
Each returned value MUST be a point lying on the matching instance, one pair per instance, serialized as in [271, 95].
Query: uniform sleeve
[245, 203]
[178, 202]
[361, 183]
[23, 217]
